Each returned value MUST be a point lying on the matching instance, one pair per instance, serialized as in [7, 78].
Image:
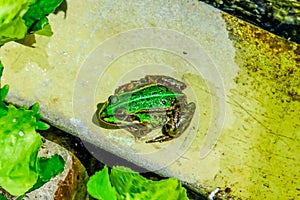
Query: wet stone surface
[244, 81]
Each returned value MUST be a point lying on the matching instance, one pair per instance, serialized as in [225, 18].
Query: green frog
[155, 101]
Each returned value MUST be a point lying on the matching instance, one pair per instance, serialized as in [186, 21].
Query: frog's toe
[162, 138]
[170, 130]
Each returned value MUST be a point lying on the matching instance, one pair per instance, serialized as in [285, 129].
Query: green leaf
[17, 18]
[36, 16]
[46, 30]
[48, 168]
[131, 185]
[99, 186]
[3, 109]
[3, 93]
[35, 108]
[19, 145]
[20, 168]
[3, 106]
[5, 88]
[2, 197]
[12, 26]
[1, 69]
[39, 124]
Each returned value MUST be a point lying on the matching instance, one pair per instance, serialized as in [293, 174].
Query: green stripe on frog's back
[152, 98]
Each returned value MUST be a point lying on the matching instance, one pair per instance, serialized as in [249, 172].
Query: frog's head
[110, 112]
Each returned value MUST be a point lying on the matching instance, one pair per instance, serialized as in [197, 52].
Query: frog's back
[152, 98]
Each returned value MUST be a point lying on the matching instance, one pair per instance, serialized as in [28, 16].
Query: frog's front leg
[179, 120]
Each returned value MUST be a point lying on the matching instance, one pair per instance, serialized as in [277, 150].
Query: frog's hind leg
[162, 138]
[179, 120]
[186, 116]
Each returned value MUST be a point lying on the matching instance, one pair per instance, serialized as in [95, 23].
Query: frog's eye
[113, 99]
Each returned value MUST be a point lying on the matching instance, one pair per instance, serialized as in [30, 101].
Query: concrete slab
[244, 81]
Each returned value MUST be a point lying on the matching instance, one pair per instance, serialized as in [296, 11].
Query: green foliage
[12, 26]
[19, 145]
[39, 124]
[17, 18]
[3, 93]
[48, 168]
[21, 170]
[99, 186]
[130, 185]
[36, 16]
[2, 197]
